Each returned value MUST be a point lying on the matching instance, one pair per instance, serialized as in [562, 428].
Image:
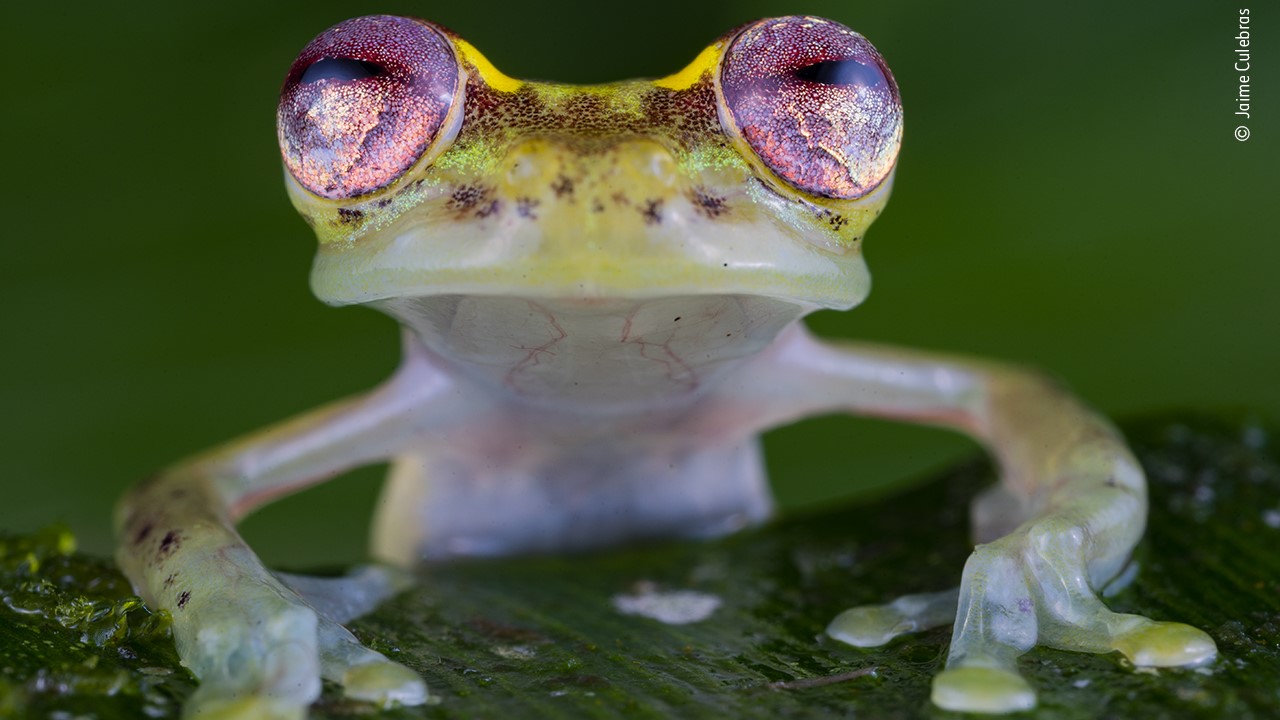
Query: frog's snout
[600, 175]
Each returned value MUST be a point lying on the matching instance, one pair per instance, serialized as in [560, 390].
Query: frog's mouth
[420, 262]
[672, 247]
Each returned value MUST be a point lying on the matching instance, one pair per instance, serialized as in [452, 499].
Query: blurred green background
[1070, 195]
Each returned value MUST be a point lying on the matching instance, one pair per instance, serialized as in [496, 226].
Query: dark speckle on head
[168, 582]
[708, 204]
[466, 197]
[525, 208]
[143, 533]
[597, 206]
[183, 597]
[346, 216]
[562, 187]
[170, 542]
[652, 212]
[837, 221]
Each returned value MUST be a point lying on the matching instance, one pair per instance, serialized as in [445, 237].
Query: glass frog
[601, 290]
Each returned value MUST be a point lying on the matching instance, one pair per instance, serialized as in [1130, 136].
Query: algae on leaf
[585, 636]
[75, 640]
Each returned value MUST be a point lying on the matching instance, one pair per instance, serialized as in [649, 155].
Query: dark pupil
[841, 72]
[340, 69]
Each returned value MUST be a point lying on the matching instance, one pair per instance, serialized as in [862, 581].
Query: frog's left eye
[815, 102]
[363, 102]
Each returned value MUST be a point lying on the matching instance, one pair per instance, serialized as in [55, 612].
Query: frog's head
[753, 171]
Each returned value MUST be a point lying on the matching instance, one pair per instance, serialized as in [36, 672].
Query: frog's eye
[362, 103]
[815, 102]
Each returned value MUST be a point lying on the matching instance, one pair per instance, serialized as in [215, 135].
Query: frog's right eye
[363, 101]
[816, 104]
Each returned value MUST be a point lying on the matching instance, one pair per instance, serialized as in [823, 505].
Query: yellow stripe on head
[693, 72]
[492, 76]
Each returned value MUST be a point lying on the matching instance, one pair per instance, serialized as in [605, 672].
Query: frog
[600, 290]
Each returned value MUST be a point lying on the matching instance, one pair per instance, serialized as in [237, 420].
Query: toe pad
[982, 689]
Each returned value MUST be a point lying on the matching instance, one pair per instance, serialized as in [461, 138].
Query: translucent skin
[600, 288]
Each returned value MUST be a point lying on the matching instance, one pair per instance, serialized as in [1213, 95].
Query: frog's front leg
[1071, 504]
[258, 648]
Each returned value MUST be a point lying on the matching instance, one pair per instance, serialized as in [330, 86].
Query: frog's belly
[439, 503]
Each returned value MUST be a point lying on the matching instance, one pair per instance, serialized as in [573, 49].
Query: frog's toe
[365, 674]
[875, 625]
[867, 626]
[982, 690]
[385, 684]
[351, 595]
[1165, 644]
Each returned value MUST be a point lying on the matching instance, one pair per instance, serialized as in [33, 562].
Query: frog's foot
[254, 649]
[260, 652]
[1033, 587]
[1029, 588]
